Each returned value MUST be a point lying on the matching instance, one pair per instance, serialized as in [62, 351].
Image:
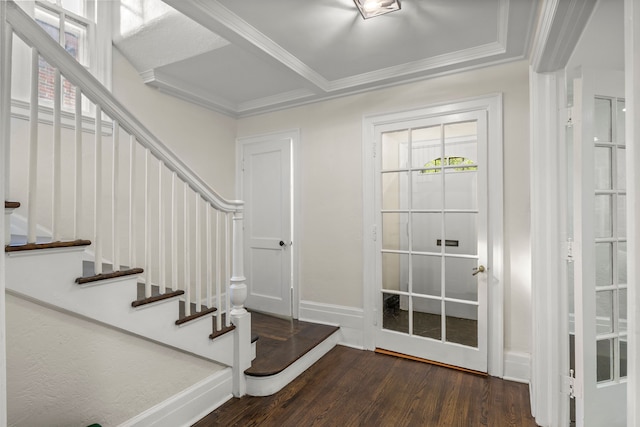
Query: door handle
[479, 269]
[282, 244]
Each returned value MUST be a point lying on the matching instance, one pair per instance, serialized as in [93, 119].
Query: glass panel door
[600, 286]
[433, 249]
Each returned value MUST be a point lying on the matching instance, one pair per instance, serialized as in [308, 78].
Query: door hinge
[569, 250]
[374, 233]
[569, 117]
[374, 149]
[242, 165]
[570, 385]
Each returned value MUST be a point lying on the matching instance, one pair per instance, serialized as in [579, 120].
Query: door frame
[492, 104]
[294, 136]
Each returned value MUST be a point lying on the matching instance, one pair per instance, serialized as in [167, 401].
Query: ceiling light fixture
[370, 8]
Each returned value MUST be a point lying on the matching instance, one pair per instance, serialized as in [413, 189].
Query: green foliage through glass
[434, 165]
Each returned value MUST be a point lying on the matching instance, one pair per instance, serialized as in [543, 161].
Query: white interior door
[600, 289]
[432, 254]
[266, 190]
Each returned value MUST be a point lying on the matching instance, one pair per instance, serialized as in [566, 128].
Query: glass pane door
[433, 220]
[600, 286]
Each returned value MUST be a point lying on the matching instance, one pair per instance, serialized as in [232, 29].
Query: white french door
[600, 270]
[266, 174]
[432, 253]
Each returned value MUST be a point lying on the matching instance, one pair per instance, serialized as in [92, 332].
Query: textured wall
[66, 371]
[331, 259]
[203, 139]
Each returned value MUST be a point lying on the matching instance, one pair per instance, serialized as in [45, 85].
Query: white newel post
[240, 318]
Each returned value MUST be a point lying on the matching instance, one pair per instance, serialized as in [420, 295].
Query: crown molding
[398, 72]
[558, 31]
[180, 89]
[279, 99]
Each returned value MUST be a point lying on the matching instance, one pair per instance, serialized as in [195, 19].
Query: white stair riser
[266, 386]
[48, 276]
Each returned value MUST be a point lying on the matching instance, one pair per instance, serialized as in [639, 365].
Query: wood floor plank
[350, 387]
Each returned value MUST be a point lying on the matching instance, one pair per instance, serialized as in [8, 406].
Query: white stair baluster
[147, 220]
[209, 277]
[161, 266]
[97, 193]
[227, 267]
[132, 201]
[187, 266]
[174, 234]
[56, 191]
[33, 148]
[198, 297]
[218, 273]
[78, 211]
[115, 162]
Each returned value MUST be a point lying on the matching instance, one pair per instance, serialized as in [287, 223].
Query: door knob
[282, 244]
[479, 269]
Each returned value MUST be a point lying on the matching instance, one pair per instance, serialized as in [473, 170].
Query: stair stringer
[48, 277]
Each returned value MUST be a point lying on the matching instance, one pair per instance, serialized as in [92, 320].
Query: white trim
[182, 90]
[188, 406]
[492, 103]
[396, 72]
[21, 110]
[266, 386]
[294, 136]
[517, 366]
[349, 319]
[5, 143]
[549, 293]
[558, 30]
[632, 102]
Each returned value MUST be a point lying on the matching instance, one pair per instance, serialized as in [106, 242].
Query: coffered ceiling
[243, 57]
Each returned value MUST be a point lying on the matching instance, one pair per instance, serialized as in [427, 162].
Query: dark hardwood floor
[351, 387]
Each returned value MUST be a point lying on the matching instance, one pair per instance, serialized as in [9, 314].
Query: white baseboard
[517, 366]
[349, 319]
[188, 406]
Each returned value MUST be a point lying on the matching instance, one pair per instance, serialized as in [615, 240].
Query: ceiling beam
[223, 22]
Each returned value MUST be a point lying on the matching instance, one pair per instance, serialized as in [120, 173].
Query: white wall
[66, 371]
[203, 139]
[330, 167]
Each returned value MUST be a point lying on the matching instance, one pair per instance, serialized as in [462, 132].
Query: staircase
[135, 240]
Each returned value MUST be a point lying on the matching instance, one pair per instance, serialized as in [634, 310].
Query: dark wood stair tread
[156, 298]
[11, 205]
[48, 245]
[109, 275]
[184, 319]
[224, 329]
[282, 342]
